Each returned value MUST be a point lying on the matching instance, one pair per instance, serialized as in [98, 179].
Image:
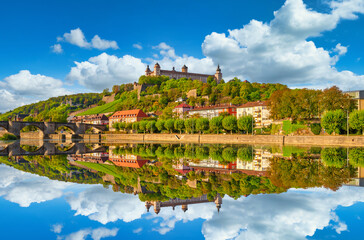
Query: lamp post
[347, 122]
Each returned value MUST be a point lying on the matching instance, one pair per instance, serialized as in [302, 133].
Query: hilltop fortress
[184, 74]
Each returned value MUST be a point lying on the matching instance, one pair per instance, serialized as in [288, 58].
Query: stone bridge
[47, 128]
[48, 148]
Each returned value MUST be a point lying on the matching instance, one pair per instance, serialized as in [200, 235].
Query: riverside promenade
[229, 139]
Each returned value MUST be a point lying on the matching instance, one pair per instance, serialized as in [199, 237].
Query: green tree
[202, 124]
[115, 125]
[135, 126]
[169, 125]
[229, 123]
[190, 125]
[356, 121]
[245, 123]
[151, 126]
[179, 125]
[334, 121]
[160, 125]
[216, 124]
[143, 126]
[229, 154]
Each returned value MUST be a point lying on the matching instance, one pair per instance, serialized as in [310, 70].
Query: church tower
[157, 70]
[218, 74]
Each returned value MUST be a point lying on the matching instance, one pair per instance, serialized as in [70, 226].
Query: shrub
[316, 128]
[334, 121]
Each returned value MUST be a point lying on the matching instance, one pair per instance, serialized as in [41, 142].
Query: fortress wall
[325, 140]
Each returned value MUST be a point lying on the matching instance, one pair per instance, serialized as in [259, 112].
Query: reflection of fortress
[91, 157]
[157, 205]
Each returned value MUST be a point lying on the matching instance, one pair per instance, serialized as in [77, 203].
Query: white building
[259, 110]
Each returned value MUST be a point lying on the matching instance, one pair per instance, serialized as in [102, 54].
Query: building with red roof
[182, 109]
[213, 111]
[128, 116]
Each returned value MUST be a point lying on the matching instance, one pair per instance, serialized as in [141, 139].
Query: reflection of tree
[54, 167]
[356, 157]
[334, 157]
[305, 172]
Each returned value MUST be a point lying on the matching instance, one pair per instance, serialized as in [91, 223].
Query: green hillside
[106, 108]
[44, 110]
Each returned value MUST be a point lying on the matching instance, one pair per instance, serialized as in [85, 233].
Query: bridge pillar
[80, 128]
[49, 148]
[14, 128]
[49, 128]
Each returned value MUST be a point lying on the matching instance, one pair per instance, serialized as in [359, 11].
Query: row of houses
[259, 110]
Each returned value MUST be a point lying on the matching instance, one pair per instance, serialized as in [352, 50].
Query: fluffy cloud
[104, 205]
[277, 51]
[76, 37]
[280, 52]
[292, 215]
[102, 44]
[24, 188]
[25, 87]
[57, 48]
[106, 70]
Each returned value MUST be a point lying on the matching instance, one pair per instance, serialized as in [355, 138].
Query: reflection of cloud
[170, 217]
[104, 205]
[96, 234]
[291, 215]
[57, 228]
[25, 188]
[138, 230]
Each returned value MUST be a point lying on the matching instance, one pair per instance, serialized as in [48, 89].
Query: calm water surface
[165, 191]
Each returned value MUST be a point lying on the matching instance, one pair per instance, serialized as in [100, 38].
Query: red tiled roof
[129, 113]
[214, 107]
[183, 105]
[254, 104]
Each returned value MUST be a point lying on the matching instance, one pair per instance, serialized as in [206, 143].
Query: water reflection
[239, 191]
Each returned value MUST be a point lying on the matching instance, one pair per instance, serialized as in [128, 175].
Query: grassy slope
[288, 127]
[105, 168]
[106, 108]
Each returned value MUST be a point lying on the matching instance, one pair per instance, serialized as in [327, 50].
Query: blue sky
[311, 43]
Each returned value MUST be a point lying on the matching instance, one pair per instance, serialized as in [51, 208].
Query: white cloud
[166, 50]
[138, 46]
[104, 205]
[280, 52]
[102, 44]
[25, 87]
[106, 70]
[96, 234]
[341, 50]
[24, 188]
[138, 230]
[57, 228]
[102, 232]
[77, 37]
[291, 215]
[57, 48]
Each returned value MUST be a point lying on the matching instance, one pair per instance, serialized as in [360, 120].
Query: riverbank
[229, 139]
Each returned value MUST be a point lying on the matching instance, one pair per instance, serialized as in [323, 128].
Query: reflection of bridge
[48, 128]
[48, 148]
